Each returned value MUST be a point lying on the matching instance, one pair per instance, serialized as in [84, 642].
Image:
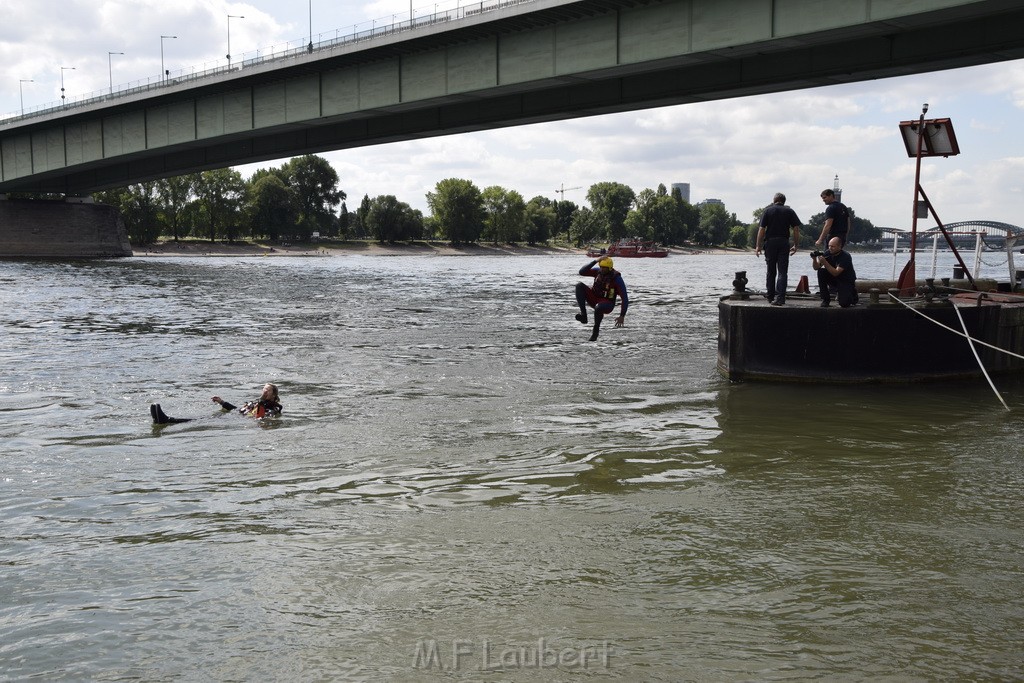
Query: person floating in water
[267, 405]
[608, 284]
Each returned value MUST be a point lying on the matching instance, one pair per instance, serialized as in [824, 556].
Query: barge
[902, 331]
[884, 338]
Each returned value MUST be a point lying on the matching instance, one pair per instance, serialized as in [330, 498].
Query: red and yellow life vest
[604, 284]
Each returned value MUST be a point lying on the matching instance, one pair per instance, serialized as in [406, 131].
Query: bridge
[962, 232]
[973, 234]
[489, 66]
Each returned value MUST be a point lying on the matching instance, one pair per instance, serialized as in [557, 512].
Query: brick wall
[31, 228]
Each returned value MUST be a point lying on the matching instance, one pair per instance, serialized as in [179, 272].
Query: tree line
[302, 198]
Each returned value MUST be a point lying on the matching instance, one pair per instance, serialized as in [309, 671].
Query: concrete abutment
[36, 228]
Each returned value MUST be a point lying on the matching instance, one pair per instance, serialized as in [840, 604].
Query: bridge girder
[955, 35]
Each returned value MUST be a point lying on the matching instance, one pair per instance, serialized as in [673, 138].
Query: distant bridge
[962, 233]
[973, 235]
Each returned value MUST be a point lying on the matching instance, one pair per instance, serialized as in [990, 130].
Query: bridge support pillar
[37, 228]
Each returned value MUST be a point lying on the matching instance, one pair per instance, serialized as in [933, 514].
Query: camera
[816, 254]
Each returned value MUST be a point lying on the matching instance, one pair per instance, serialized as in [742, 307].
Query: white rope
[974, 350]
[956, 332]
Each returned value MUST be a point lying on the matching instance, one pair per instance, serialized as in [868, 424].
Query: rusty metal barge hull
[867, 343]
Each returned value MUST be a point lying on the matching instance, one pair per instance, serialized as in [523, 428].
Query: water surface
[460, 481]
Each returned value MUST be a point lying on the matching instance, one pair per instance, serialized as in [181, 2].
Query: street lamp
[22, 92]
[110, 73]
[230, 17]
[163, 72]
[62, 70]
[310, 25]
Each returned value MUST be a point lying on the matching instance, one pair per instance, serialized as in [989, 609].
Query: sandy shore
[201, 248]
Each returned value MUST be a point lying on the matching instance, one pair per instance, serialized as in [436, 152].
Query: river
[462, 487]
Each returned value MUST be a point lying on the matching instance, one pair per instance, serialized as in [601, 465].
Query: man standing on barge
[837, 219]
[773, 235]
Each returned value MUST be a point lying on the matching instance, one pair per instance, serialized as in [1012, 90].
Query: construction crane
[563, 189]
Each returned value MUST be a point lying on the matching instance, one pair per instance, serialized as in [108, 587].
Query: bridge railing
[268, 55]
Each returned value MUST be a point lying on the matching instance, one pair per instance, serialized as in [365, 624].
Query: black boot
[581, 300]
[161, 419]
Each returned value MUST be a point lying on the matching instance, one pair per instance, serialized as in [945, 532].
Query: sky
[741, 150]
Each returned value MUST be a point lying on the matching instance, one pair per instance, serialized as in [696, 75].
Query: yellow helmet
[606, 262]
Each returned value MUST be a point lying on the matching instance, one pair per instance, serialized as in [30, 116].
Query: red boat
[630, 248]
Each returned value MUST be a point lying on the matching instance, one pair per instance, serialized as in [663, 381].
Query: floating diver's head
[269, 392]
[606, 262]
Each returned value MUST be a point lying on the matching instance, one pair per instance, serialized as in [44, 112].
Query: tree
[279, 171]
[430, 228]
[175, 193]
[655, 216]
[359, 229]
[139, 210]
[863, 230]
[505, 214]
[271, 207]
[688, 220]
[458, 208]
[587, 224]
[541, 220]
[715, 224]
[564, 212]
[315, 184]
[390, 220]
[219, 195]
[612, 201]
[344, 221]
[739, 236]
[638, 220]
[665, 220]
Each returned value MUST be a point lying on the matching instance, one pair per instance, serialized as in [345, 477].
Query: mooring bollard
[739, 285]
[929, 289]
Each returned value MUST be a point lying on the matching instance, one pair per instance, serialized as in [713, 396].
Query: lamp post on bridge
[110, 73]
[310, 46]
[163, 72]
[21, 92]
[62, 70]
[230, 17]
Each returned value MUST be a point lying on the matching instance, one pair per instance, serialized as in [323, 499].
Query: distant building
[684, 190]
[712, 200]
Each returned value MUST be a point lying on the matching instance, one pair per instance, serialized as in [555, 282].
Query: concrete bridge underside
[538, 61]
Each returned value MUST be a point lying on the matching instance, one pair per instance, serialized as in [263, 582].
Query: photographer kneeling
[835, 269]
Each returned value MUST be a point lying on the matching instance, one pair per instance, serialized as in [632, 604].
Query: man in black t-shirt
[835, 269]
[837, 219]
[773, 236]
